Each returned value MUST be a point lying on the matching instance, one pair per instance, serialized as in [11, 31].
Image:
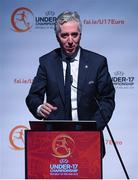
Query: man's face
[69, 37]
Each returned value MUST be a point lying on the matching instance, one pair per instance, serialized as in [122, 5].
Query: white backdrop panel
[109, 28]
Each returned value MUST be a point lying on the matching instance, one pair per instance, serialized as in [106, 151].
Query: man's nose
[70, 40]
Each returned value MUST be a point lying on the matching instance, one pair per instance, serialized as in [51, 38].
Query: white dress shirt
[74, 72]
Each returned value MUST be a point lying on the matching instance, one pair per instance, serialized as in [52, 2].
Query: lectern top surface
[57, 125]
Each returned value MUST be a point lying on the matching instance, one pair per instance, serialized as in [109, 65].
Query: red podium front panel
[63, 155]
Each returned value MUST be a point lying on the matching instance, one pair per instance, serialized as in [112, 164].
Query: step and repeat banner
[26, 33]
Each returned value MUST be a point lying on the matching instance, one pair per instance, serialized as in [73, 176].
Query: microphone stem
[108, 129]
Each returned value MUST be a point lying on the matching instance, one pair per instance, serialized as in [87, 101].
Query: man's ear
[57, 37]
[80, 35]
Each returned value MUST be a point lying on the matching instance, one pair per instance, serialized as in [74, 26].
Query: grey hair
[65, 17]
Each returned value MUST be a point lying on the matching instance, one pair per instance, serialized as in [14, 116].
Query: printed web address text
[104, 21]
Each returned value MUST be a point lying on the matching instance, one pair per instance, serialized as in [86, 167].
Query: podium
[63, 150]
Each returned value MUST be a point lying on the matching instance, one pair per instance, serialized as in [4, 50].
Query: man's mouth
[70, 49]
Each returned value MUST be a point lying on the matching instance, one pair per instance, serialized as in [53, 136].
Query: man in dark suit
[89, 79]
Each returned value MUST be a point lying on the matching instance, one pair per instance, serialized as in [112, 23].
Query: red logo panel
[63, 155]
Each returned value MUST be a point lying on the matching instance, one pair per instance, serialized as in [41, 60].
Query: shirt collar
[77, 57]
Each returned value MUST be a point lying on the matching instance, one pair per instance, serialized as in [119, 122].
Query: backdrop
[26, 33]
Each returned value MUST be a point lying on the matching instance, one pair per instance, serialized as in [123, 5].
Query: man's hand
[45, 110]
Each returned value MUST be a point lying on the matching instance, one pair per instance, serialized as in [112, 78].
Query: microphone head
[71, 79]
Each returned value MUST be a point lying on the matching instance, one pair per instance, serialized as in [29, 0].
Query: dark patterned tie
[68, 108]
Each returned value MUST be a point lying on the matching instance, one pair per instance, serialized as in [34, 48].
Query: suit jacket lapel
[60, 76]
[83, 69]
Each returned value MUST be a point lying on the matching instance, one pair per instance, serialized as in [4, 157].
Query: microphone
[71, 80]
[106, 125]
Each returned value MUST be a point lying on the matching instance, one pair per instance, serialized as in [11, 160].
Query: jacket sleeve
[105, 95]
[37, 91]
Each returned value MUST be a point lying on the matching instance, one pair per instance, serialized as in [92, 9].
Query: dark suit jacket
[93, 80]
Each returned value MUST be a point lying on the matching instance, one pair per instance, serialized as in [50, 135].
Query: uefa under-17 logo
[22, 19]
[16, 137]
[63, 146]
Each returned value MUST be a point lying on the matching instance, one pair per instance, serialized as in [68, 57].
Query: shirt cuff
[38, 110]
